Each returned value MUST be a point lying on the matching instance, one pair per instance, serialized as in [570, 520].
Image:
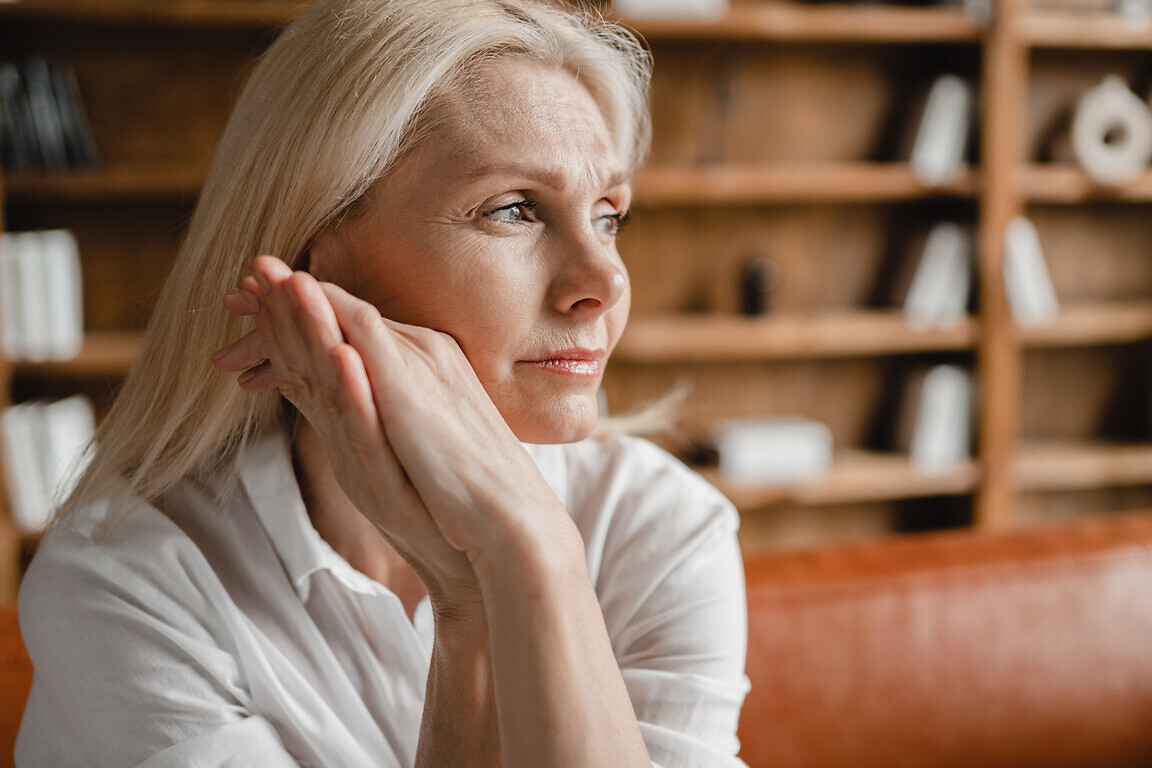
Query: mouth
[571, 362]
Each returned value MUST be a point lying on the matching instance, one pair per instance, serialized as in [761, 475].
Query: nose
[589, 278]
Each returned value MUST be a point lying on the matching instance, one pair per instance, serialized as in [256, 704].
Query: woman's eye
[513, 212]
[614, 222]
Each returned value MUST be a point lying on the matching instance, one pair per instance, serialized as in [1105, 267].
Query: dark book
[20, 147]
[79, 143]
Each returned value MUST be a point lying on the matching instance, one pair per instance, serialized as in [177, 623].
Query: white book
[11, 310]
[35, 315]
[671, 9]
[942, 136]
[942, 433]
[938, 295]
[1026, 279]
[780, 450]
[69, 427]
[64, 298]
[24, 466]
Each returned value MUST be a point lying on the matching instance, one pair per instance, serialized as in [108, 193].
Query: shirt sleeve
[125, 672]
[671, 585]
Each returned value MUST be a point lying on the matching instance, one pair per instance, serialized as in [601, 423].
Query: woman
[393, 544]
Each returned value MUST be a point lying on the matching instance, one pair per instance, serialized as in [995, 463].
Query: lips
[572, 362]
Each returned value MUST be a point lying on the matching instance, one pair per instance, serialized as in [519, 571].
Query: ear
[319, 257]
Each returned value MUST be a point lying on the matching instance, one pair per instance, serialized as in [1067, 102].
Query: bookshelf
[776, 134]
[791, 153]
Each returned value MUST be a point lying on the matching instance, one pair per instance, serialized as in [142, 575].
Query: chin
[568, 422]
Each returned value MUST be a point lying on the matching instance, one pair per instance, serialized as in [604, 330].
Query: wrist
[541, 552]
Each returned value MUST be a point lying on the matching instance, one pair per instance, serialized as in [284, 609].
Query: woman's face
[500, 230]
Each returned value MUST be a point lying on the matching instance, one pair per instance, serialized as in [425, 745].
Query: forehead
[516, 110]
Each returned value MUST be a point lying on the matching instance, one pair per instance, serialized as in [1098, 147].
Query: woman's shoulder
[628, 483]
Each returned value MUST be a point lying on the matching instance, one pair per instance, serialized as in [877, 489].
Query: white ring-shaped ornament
[1112, 133]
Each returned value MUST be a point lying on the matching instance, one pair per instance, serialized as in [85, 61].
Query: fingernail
[220, 353]
[247, 376]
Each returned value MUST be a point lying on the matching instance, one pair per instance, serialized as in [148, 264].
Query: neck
[341, 524]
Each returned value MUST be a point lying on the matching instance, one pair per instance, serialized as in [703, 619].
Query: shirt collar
[267, 475]
[270, 481]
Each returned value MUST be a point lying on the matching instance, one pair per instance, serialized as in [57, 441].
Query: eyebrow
[553, 179]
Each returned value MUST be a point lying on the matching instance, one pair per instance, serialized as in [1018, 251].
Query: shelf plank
[855, 477]
[159, 180]
[813, 182]
[1068, 184]
[734, 338]
[105, 354]
[232, 13]
[1070, 29]
[1056, 466]
[821, 23]
[1092, 324]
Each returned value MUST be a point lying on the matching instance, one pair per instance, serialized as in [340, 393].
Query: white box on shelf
[780, 450]
[697, 10]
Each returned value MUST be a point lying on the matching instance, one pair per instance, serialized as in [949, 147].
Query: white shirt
[209, 630]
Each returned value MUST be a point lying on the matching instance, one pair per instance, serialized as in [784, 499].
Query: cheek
[617, 317]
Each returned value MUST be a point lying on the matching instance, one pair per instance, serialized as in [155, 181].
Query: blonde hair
[328, 108]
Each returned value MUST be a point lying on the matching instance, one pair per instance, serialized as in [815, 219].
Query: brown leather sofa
[1031, 648]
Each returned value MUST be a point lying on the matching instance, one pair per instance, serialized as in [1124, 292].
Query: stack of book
[41, 303]
[45, 450]
[43, 123]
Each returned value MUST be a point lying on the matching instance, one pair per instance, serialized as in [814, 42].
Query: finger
[241, 302]
[299, 331]
[259, 378]
[247, 352]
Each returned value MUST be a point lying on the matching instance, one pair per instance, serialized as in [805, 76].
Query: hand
[298, 347]
[400, 412]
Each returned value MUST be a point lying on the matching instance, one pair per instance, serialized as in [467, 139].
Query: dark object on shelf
[757, 282]
[43, 124]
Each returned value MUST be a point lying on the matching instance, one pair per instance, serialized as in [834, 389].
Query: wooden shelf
[735, 338]
[856, 476]
[822, 23]
[1090, 324]
[232, 13]
[159, 180]
[105, 354]
[1069, 29]
[1067, 184]
[1052, 466]
[817, 182]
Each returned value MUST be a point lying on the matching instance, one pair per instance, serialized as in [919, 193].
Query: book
[19, 150]
[938, 294]
[942, 436]
[43, 121]
[40, 284]
[1031, 296]
[941, 140]
[46, 447]
[779, 450]
[934, 426]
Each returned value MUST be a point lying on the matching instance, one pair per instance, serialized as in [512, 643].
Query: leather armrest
[1029, 648]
